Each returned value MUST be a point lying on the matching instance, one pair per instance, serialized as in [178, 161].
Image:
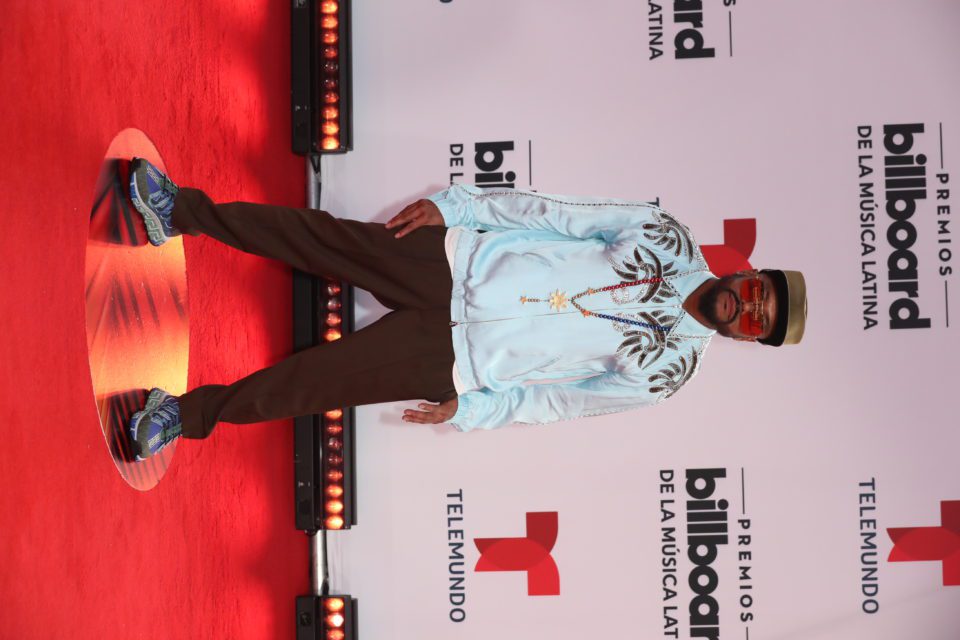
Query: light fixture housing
[331, 617]
[324, 444]
[321, 86]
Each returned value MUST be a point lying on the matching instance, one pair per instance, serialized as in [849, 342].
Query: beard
[707, 304]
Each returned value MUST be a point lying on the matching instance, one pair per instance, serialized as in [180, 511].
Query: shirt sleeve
[578, 217]
[542, 403]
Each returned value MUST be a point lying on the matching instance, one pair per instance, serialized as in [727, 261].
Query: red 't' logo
[941, 544]
[530, 554]
[739, 239]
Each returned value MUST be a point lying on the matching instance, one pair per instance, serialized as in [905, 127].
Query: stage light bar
[334, 448]
[324, 451]
[321, 84]
[332, 617]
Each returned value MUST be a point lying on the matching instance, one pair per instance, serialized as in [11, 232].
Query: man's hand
[432, 413]
[414, 216]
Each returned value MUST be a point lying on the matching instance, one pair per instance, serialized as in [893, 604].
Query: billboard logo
[706, 533]
[897, 218]
[681, 26]
[530, 554]
[489, 160]
[932, 544]
[906, 182]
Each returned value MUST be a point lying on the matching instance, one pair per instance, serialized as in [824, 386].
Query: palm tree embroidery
[634, 268]
[675, 375]
[670, 235]
[647, 344]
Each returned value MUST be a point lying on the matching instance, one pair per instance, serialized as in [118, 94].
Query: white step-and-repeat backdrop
[802, 492]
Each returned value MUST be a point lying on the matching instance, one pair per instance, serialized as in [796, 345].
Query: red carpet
[211, 552]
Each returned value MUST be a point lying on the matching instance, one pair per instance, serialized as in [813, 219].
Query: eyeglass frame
[759, 313]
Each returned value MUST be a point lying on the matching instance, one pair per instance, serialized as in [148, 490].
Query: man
[526, 308]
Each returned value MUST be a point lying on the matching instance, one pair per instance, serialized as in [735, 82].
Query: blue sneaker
[156, 426]
[153, 194]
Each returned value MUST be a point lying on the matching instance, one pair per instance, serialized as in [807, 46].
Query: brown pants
[405, 355]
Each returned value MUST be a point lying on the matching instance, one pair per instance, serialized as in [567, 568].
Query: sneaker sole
[150, 219]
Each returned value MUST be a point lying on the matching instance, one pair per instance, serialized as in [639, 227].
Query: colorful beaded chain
[558, 301]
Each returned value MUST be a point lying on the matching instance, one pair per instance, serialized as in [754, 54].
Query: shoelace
[168, 186]
[163, 198]
[165, 414]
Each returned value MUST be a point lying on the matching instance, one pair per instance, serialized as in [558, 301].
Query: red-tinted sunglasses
[753, 323]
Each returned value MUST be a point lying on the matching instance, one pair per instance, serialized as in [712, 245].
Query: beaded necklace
[558, 302]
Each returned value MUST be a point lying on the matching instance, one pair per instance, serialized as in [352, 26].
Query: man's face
[742, 306]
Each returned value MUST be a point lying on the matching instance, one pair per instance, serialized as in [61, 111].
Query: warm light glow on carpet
[136, 310]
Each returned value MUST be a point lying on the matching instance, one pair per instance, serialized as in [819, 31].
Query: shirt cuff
[450, 202]
[464, 414]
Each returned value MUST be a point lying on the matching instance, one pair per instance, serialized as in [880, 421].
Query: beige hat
[791, 291]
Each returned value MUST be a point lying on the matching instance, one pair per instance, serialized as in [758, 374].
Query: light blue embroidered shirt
[515, 360]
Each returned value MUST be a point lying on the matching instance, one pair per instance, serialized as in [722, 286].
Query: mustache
[708, 304]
